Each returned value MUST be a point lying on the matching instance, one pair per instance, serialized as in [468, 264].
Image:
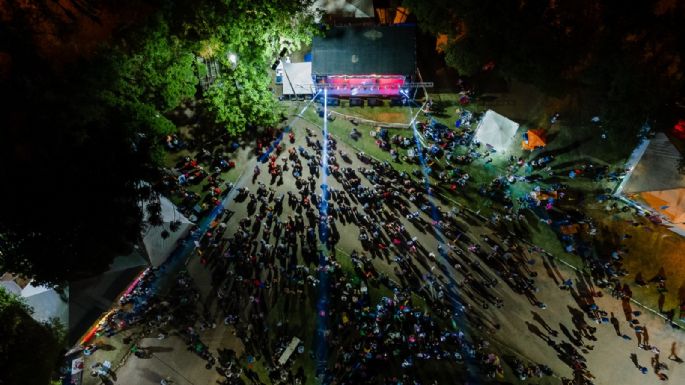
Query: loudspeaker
[396, 102]
[374, 102]
[356, 102]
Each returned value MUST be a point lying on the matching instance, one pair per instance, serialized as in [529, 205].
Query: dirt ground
[525, 330]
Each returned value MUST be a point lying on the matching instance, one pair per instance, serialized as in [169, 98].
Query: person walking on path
[638, 335]
[544, 324]
[674, 355]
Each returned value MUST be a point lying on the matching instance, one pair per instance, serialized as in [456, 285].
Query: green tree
[240, 98]
[146, 76]
[81, 135]
[254, 31]
[629, 58]
[29, 350]
[158, 64]
[154, 68]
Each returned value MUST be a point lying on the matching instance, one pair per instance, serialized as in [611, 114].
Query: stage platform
[363, 85]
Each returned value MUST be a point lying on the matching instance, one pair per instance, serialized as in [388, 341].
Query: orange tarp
[670, 203]
[401, 14]
[546, 196]
[535, 140]
[570, 229]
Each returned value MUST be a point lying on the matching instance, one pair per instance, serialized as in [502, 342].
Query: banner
[77, 371]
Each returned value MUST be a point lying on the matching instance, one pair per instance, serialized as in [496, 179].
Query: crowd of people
[411, 254]
[287, 245]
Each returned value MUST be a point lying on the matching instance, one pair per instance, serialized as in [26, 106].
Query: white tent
[496, 131]
[297, 79]
[11, 287]
[349, 8]
[656, 168]
[159, 248]
[289, 351]
[655, 183]
[46, 303]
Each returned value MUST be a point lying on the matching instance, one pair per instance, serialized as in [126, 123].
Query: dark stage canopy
[357, 50]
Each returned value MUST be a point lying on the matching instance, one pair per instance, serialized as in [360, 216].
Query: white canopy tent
[289, 351]
[297, 79]
[11, 287]
[46, 303]
[44, 300]
[158, 247]
[496, 131]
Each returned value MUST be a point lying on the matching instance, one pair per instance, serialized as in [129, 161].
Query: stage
[363, 85]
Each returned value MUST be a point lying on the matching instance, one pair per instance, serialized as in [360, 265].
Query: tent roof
[363, 50]
[535, 140]
[90, 297]
[158, 248]
[670, 203]
[11, 287]
[48, 304]
[44, 300]
[657, 168]
[496, 130]
[297, 78]
[30, 290]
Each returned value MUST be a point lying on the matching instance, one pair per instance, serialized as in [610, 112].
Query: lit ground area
[467, 274]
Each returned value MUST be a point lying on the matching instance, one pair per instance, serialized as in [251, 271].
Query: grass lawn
[301, 324]
[383, 114]
[541, 235]
[341, 128]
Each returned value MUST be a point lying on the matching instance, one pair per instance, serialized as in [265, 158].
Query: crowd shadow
[159, 349]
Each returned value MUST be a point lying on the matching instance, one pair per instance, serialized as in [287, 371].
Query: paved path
[171, 359]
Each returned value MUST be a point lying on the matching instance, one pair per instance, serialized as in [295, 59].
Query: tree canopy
[79, 133]
[255, 32]
[631, 61]
[156, 67]
[24, 337]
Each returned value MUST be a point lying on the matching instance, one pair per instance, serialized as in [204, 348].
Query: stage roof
[357, 50]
